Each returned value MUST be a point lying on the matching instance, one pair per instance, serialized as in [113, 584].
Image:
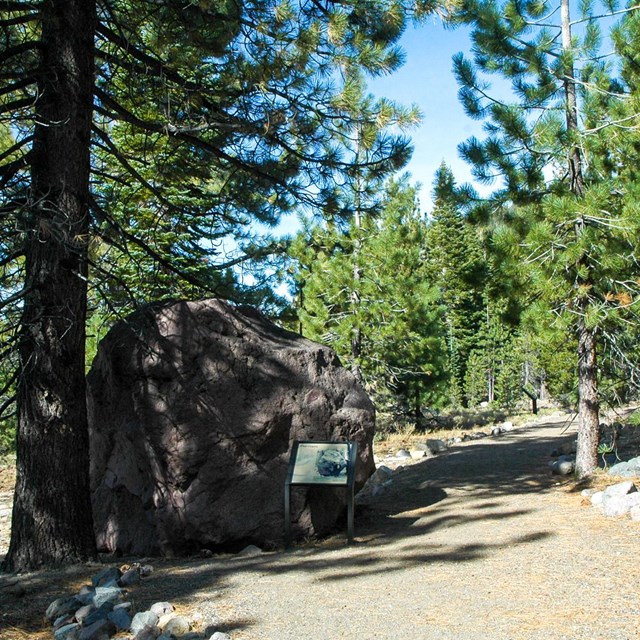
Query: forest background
[154, 166]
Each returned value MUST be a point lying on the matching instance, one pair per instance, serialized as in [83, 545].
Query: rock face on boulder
[193, 410]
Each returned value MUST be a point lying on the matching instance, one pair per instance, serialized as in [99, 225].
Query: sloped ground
[481, 542]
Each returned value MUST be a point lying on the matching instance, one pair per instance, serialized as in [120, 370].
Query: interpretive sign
[321, 463]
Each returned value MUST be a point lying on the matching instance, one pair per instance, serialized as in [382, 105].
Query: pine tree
[576, 231]
[456, 264]
[153, 126]
[398, 314]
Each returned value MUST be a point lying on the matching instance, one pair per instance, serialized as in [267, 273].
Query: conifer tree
[156, 127]
[577, 232]
[402, 348]
[456, 264]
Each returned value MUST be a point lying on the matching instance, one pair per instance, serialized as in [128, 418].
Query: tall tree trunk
[588, 408]
[576, 177]
[52, 521]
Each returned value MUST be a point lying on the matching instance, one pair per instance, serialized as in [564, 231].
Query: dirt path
[479, 543]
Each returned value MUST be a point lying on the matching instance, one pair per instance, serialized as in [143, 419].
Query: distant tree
[397, 311]
[456, 263]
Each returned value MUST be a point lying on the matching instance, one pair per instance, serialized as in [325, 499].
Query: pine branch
[12, 257]
[16, 86]
[25, 19]
[15, 147]
[17, 50]
[167, 262]
[114, 152]
[606, 15]
[11, 5]
[15, 105]
[11, 169]
[119, 112]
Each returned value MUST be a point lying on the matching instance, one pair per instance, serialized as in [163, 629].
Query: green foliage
[476, 379]
[211, 120]
[456, 263]
[369, 282]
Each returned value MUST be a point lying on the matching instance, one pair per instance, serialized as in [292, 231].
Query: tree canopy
[144, 139]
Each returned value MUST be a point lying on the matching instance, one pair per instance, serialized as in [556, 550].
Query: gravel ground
[478, 543]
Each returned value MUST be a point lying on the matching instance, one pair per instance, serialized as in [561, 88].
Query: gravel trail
[478, 543]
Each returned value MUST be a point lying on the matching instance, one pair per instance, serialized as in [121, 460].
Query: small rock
[177, 626]
[84, 611]
[132, 576]
[145, 570]
[562, 467]
[101, 613]
[107, 576]
[161, 609]
[374, 484]
[103, 595]
[61, 607]
[148, 633]
[620, 489]
[587, 493]
[120, 618]
[619, 505]
[507, 426]
[85, 595]
[597, 498]
[144, 619]
[63, 621]
[436, 446]
[126, 606]
[164, 619]
[100, 630]
[417, 454]
[628, 469]
[250, 550]
[68, 632]
[496, 431]
[218, 635]
[402, 453]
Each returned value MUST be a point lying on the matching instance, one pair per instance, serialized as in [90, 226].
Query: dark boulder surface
[193, 409]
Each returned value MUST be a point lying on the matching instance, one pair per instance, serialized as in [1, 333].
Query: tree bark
[576, 177]
[588, 407]
[52, 520]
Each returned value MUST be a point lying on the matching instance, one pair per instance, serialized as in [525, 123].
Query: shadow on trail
[463, 487]
[466, 486]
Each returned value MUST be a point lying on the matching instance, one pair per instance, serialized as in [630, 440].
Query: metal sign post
[332, 464]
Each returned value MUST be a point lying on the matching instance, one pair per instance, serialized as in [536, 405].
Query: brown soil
[481, 542]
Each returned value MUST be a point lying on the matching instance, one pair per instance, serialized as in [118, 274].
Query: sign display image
[321, 463]
[326, 463]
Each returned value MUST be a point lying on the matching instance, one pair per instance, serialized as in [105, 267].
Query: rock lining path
[479, 543]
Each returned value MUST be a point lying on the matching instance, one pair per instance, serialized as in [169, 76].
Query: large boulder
[193, 409]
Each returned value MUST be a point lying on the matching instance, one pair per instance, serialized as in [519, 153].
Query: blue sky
[427, 79]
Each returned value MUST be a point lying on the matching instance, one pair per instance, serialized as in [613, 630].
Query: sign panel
[321, 463]
[325, 463]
